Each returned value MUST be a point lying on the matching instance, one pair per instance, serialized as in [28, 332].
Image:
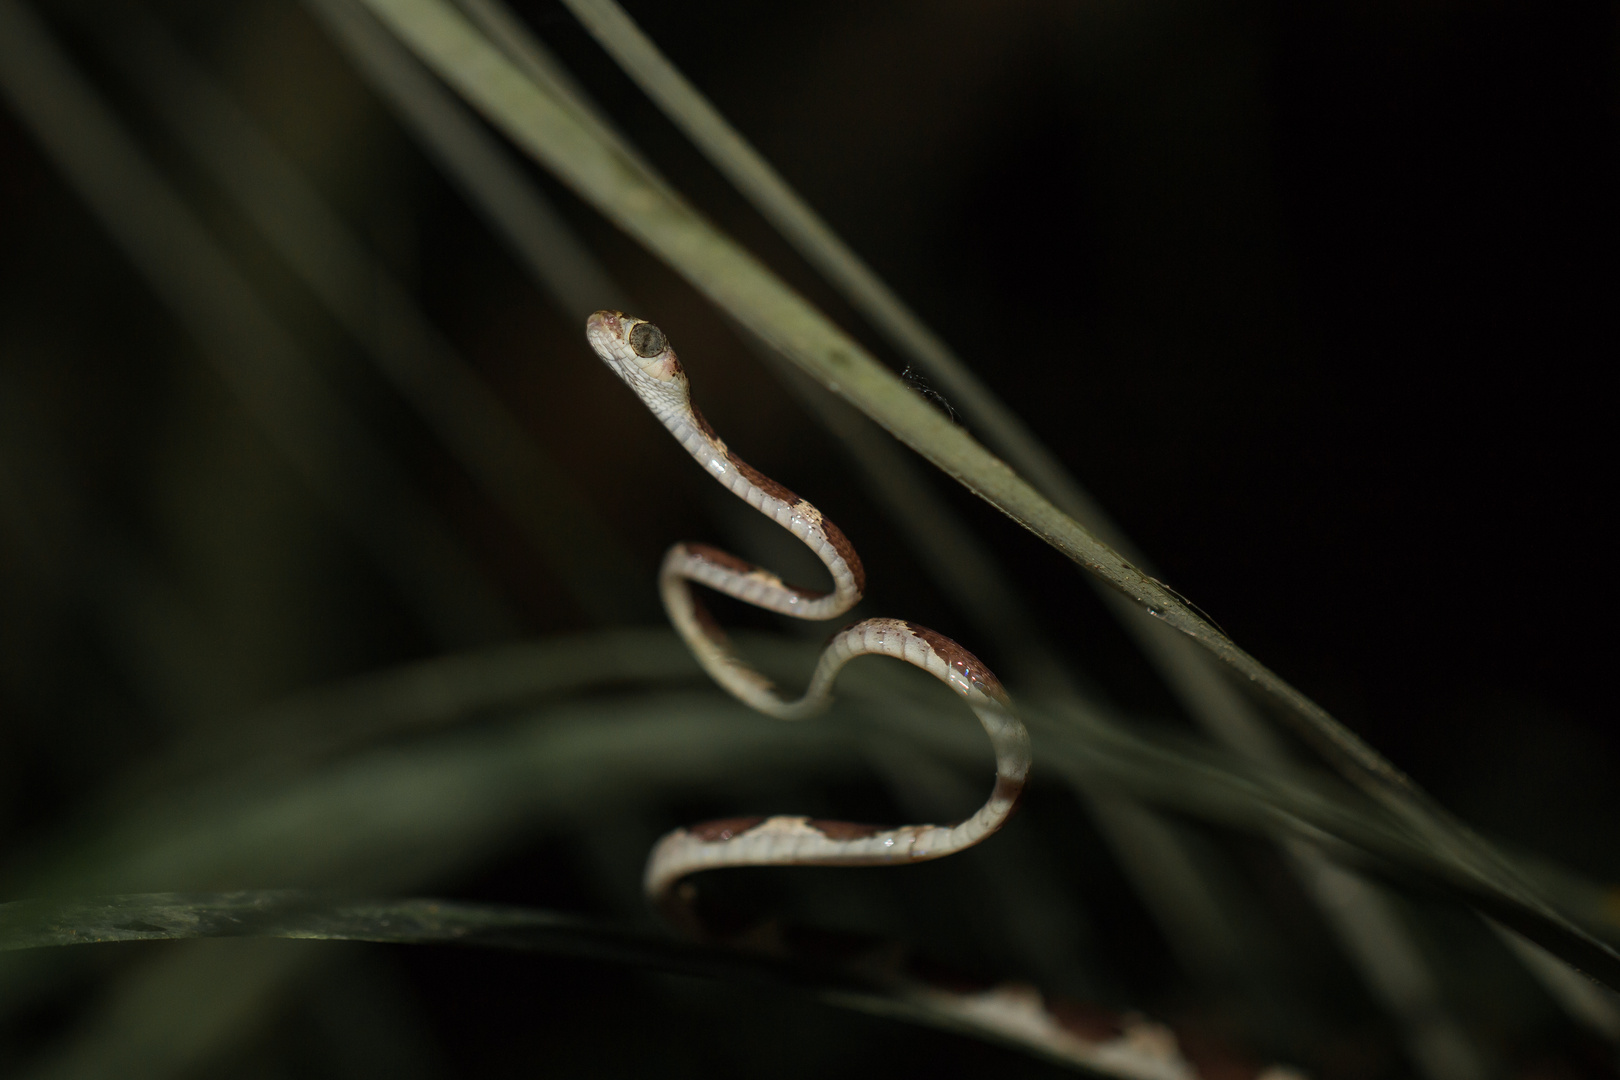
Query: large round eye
[647, 339]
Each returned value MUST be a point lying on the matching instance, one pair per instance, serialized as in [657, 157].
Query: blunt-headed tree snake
[640, 354]
[1124, 1046]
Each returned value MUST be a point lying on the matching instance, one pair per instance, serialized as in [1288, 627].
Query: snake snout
[604, 328]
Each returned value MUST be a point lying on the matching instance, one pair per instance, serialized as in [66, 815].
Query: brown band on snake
[961, 660]
[843, 830]
[711, 832]
[846, 551]
[835, 536]
[1090, 1022]
[763, 482]
[726, 560]
[702, 421]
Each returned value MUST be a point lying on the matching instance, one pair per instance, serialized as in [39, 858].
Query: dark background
[1318, 300]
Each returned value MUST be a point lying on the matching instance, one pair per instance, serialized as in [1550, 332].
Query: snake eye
[647, 339]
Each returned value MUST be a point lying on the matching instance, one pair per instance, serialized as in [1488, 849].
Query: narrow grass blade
[1391, 964]
[1011, 1016]
[418, 698]
[542, 241]
[376, 310]
[260, 362]
[1594, 1007]
[509, 34]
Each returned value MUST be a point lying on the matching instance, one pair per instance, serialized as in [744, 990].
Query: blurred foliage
[326, 547]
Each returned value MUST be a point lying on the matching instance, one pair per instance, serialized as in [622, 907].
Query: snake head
[634, 348]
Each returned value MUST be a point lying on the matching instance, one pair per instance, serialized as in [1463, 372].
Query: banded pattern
[638, 353]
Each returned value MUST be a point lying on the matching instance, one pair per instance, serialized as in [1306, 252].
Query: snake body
[638, 352]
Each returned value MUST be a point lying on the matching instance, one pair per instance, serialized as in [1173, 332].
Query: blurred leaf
[257, 357]
[397, 815]
[378, 313]
[1011, 1017]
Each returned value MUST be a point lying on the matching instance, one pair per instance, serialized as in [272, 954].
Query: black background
[1318, 300]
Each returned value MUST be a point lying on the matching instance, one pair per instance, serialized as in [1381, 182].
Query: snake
[640, 354]
[1126, 1046]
